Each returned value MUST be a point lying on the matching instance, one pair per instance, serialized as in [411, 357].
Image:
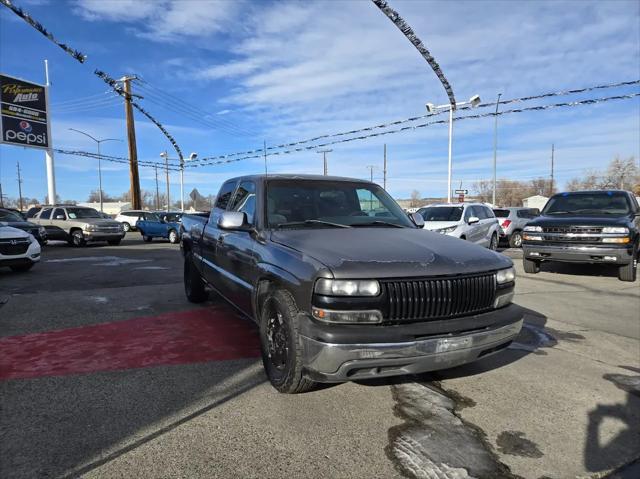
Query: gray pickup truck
[342, 284]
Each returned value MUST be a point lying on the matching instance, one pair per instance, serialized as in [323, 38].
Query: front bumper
[578, 254]
[333, 362]
[99, 236]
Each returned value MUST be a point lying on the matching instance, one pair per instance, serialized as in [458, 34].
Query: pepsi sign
[23, 114]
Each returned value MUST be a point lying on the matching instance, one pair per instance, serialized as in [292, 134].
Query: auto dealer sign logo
[23, 117]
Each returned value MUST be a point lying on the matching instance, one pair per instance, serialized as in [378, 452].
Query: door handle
[221, 238]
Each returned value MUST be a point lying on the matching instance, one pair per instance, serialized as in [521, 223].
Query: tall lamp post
[431, 108]
[165, 156]
[99, 160]
[495, 150]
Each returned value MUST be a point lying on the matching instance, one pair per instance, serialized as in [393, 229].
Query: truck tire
[493, 244]
[628, 272]
[515, 240]
[77, 239]
[281, 345]
[194, 287]
[530, 266]
[126, 226]
[173, 237]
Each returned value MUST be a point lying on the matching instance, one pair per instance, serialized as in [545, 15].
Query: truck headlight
[506, 275]
[90, 228]
[347, 287]
[616, 229]
[445, 231]
[347, 317]
[533, 229]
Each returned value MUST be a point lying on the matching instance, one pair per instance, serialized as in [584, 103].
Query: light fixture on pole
[99, 161]
[192, 157]
[164, 155]
[495, 151]
[474, 101]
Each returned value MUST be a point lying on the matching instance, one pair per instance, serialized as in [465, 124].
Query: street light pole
[495, 150]
[99, 160]
[165, 155]
[474, 101]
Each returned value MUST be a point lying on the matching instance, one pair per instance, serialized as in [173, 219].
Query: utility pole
[552, 160]
[265, 157]
[384, 169]
[19, 184]
[324, 158]
[371, 167]
[495, 150]
[165, 155]
[155, 167]
[134, 177]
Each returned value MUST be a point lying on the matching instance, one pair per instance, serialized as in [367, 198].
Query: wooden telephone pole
[19, 184]
[384, 169]
[134, 177]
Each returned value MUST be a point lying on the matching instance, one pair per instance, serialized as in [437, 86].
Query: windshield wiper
[311, 223]
[379, 222]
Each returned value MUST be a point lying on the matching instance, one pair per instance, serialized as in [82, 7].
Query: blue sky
[284, 71]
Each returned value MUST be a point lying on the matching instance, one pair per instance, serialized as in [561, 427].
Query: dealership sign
[23, 117]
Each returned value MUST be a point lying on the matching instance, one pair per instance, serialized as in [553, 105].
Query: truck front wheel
[531, 266]
[281, 345]
[194, 287]
[628, 271]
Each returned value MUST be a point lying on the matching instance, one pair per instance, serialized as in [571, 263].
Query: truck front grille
[439, 298]
[572, 229]
[12, 247]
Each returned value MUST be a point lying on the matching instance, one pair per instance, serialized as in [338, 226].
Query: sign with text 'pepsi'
[23, 116]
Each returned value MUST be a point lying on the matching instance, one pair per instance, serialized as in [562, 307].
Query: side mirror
[60, 217]
[417, 219]
[473, 220]
[233, 221]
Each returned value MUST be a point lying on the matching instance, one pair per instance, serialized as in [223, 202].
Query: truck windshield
[327, 204]
[80, 213]
[441, 213]
[588, 204]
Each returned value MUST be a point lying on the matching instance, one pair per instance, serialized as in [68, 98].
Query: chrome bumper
[327, 362]
[578, 253]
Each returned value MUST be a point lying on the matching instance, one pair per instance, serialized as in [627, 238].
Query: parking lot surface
[107, 371]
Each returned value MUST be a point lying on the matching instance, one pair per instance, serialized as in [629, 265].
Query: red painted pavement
[173, 338]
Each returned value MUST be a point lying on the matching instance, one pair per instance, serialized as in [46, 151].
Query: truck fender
[270, 277]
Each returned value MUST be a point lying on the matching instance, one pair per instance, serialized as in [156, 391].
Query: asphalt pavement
[107, 371]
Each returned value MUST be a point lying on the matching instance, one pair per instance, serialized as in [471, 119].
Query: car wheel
[493, 244]
[628, 272]
[126, 226]
[531, 266]
[147, 239]
[194, 286]
[281, 345]
[22, 268]
[173, 237]
[77, 239]
[515, 240]
[114, 242]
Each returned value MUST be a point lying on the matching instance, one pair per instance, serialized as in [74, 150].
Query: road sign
[461, 192]
[23, 113]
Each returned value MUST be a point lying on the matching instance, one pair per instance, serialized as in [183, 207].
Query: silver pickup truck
[343, 284]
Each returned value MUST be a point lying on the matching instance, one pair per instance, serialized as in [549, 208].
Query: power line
[422, 125]
[113, 159]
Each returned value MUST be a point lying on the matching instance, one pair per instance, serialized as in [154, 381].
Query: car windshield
[331, 204]
[9, 216]
[589, 204]
[80, 213]
[441, 213]
[501, 213]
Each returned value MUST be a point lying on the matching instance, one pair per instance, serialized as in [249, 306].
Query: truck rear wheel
[281, 345]
[531, 266]
[515, 240]
[194, 286]
[173, 237]
[628, 272]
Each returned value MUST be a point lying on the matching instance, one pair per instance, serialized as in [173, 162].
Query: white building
[109, 207]
[535, 201]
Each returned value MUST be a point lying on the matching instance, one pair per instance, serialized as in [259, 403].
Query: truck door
[210, 237]
[58, 222]
[234, 251]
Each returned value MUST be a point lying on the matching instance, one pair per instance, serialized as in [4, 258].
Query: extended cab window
[245, 200]
[46, 214]
[59, 214]
[224, 196]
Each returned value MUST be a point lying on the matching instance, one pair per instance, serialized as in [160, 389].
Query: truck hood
[8, 232]
[390, 252]
[436, 225]
[96, 221]
[568, 220]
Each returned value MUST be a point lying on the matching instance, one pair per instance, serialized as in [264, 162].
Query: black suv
[586, 227]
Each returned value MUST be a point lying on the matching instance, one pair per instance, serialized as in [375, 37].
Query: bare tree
[415, 199]
[620, 174]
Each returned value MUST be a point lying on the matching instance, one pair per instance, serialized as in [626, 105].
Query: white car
[473, 222]
[19, 250]
[129, 218]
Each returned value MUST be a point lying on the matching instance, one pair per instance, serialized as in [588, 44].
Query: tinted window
[33, 211]
[80, 213]
[46, 214]
[59, 212]
[502, 213]
[589, 204]
[528, 214]
[245, 200]
[224, 196]
[488, 212]
[441, 213]
[6, 215]
[151, 217]
[478, 212]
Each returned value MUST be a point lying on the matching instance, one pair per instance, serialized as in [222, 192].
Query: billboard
[23, 115]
